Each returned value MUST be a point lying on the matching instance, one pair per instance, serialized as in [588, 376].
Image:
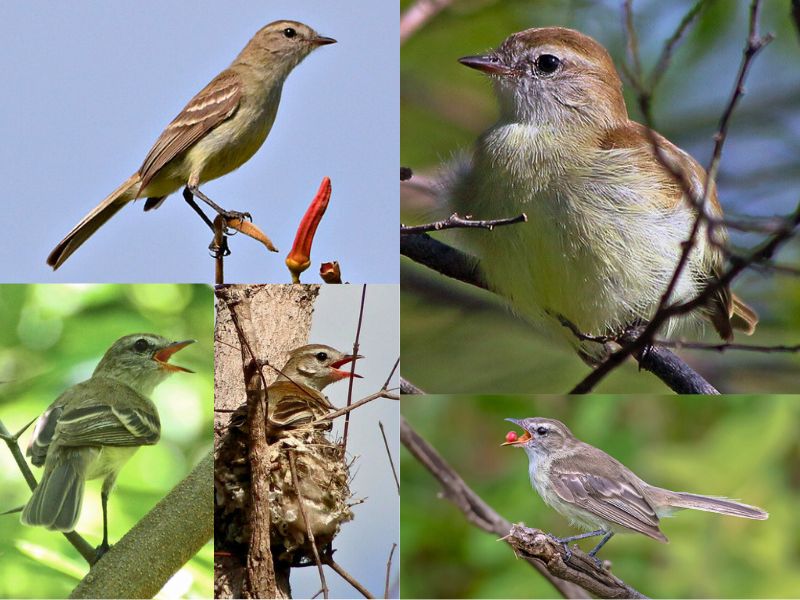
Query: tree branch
[139, 564]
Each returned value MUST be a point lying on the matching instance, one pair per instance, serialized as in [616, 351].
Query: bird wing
[633, 136]
[292, 405]
[211, 106]
[602, 486]
[106, 413]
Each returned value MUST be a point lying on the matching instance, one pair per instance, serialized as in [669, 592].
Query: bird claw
[100, 551]
[219, 250]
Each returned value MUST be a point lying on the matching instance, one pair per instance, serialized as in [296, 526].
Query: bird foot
[219, 250]
[235, 215]
[100, 551]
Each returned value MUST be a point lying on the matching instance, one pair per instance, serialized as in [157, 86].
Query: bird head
[317, 366]
[541, 436]
[141, 360]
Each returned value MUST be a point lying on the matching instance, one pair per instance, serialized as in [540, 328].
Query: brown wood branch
[261, 581]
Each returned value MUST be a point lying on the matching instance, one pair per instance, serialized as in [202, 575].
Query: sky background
[363, 545]
[96, 83]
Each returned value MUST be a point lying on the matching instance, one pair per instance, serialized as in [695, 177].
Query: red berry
[511, 436]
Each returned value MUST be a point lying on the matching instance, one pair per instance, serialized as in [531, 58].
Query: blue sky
[90, 86]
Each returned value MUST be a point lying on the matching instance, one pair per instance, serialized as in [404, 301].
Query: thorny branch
[456, 222]
[575, 578]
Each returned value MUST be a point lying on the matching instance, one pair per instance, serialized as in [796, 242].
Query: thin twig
[353, 367]
[388, 571]
[389, 454]
[343, 411]
[456, 222]
[391, 374]
[347, 577]
[300, 499]
[722, 347]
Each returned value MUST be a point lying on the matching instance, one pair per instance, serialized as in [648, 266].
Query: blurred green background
[743, 447]
[53, 336]
[459, 339]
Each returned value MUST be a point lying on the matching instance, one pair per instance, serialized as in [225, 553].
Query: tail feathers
[56, 501]
[93, 221]
[743, 318]
[715, 504]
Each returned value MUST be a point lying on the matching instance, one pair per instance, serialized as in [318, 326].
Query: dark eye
[547, 63]
[322, 356]
[141, 345]
[541, 430]
[289, 32]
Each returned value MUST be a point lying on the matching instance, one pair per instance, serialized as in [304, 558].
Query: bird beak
[321, 40]
[520, 440]
[488, 64]
[343, 361]
[162, 356]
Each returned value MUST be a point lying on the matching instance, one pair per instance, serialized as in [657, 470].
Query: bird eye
[322, 356]
[541, 430]
[141, 345]
[289, 32]
[547, 63]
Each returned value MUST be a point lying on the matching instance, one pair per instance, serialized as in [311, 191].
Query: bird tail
[723, 506]
[743, 318]
[93, 221]
[56, 501]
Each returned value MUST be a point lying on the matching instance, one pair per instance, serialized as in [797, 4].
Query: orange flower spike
[299, 258]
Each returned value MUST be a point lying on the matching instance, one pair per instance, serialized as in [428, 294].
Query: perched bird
[598, 493]
[606, 219]
[94, 427]
[216, 132]
[295, 398]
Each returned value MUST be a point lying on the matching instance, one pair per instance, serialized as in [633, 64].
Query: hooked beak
[162, 356]
[343, 361]
[520, 440]
[489, 64]
[321, 40]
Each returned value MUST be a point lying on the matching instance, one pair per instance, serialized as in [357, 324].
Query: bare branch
[389, 454]
[347, 577]
[456, 222]
[406, 387]
[309, 533]
[388, 571]
[353, 366]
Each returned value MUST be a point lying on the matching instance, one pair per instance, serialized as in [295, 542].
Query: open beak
[488, 64]
[343, 361]
[321, 40]
[521, 439]
[162, 356]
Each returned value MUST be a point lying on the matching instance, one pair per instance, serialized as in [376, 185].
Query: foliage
[52, 337]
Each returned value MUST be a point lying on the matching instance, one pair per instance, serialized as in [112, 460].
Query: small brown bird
[218, 131]
[295, 398]
[598, 493]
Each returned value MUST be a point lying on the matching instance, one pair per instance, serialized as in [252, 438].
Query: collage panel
[157, 96]
[555, 155]
[106, 392]
[606, 463]
[324, 454]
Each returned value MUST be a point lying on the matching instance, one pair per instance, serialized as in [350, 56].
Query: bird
[596, 492]
[295, 399]
[93, 428]
[606, 220]
[219, 130]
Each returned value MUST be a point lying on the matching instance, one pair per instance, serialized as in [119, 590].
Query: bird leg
[565, 541]
[193, 191]
[103, 547]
